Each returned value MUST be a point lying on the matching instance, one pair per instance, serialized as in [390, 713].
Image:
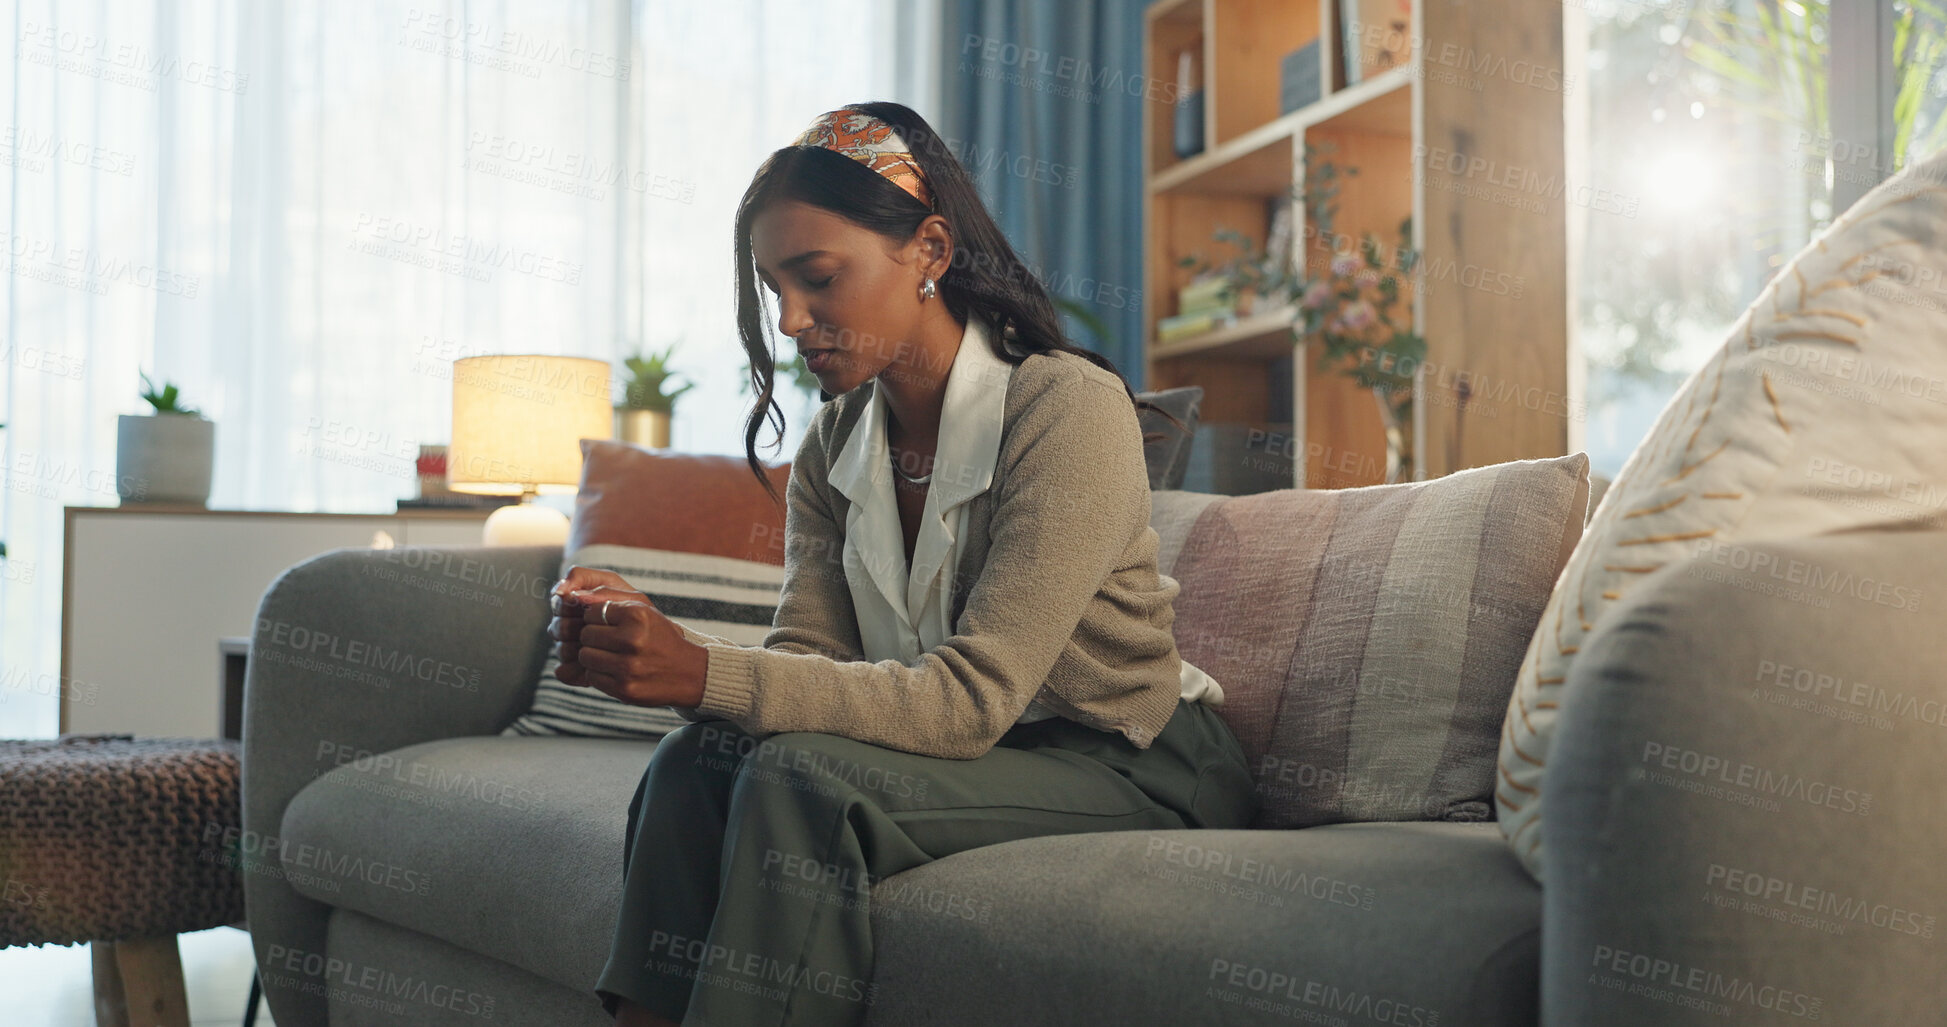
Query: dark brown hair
[986, 279]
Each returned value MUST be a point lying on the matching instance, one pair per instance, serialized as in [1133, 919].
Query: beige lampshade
[519, 418]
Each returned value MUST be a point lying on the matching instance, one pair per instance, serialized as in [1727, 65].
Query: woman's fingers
[608, 609]
[604, 661]
[579, 577]
[581, 676]
[612, 618]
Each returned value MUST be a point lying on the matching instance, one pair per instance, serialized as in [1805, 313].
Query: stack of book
[1203, 305]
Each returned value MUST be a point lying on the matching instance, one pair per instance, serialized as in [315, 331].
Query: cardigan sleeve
[814, 617]
[1073, 497]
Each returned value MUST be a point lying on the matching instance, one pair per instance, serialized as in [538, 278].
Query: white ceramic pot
[164, 458]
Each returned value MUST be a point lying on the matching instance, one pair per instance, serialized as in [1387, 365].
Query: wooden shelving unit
[1476, 82]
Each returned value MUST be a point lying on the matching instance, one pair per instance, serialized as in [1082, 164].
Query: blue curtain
[1043, 102]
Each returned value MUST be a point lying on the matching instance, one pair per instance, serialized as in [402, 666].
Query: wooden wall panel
[1492, 194]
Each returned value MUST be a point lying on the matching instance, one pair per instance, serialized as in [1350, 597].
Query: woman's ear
[935, 240]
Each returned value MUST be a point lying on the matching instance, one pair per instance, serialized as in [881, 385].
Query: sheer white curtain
[722, 85]
[302, 211]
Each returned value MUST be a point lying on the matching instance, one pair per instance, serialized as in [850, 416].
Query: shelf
[1382, 104]
[1252, 156]
[1258, 163]
[1181, 12]
[1263, 336]
[1174, 27]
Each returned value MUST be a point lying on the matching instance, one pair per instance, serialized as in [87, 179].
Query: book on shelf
[1204, 295]
[456, 501]
[1183, 326]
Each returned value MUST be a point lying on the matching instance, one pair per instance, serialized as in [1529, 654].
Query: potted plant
[643, 415]
[164, 456]
[1255, 277]
[1268, 278]
[792, 374]
[1355, 311]
[1355, 308]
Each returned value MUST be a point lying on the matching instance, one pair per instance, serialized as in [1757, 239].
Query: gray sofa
[412, 867]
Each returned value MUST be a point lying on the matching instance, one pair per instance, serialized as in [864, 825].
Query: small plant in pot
[1269, 278]
[642, 418]
[165, 456]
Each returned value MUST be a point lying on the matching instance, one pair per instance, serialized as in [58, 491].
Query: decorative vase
[1398, 422]
[641, 427]
[164, 458]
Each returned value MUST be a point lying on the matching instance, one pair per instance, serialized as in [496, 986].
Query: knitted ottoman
[123, 843]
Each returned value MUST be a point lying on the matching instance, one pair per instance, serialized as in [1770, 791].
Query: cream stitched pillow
[1821, 413]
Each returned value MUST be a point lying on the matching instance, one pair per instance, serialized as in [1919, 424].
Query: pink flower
[1344, 264]
[1359, 316]
[1317, 294]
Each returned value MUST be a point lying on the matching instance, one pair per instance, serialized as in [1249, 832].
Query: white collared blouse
[902, 611]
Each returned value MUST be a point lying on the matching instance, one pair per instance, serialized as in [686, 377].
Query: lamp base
[525, 524]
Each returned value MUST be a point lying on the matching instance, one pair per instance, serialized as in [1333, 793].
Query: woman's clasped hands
[610, 637]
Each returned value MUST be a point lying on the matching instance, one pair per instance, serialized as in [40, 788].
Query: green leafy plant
[1919, 49]
[1270, 271]
[1356, 310]
[648, 374]
[1266, 271]
[164, 402]
[1774, 58]
[792, 372]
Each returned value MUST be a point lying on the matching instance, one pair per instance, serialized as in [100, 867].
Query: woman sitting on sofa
[972, 644]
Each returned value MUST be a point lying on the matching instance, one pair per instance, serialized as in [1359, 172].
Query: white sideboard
[149, 591]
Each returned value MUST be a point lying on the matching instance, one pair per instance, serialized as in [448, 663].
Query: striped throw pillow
[1367, 639]
[718, 595]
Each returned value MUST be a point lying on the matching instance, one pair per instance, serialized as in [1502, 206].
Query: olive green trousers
[749, 859]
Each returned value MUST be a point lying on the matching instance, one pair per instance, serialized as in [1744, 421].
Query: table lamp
[518, 422]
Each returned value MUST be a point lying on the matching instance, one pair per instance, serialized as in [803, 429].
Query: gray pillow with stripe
[1367, 639]
[717, 595]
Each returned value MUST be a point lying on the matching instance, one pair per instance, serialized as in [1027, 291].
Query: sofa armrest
[358, 652]
[1743, 806]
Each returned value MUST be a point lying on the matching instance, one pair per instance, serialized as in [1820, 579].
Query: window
[1735, 131]
[302, 211]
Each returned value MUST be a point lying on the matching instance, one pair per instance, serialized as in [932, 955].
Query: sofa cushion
[1367, 639]
[1358, 923]
[688, 502]
[510, 847]
[1168, 456]
[1821, 413]
[695, 533]
[391, 976]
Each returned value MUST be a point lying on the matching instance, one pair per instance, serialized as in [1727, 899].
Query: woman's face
[848, 295]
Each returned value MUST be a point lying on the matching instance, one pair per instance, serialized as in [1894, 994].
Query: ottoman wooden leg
[111, 1006]
[139, 983]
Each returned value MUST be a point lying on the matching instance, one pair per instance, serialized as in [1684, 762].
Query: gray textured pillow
[1169, 457]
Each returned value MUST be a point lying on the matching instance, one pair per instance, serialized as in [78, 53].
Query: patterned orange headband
[871, 142]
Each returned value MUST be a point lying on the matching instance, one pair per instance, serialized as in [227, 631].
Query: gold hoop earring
[927, 291]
